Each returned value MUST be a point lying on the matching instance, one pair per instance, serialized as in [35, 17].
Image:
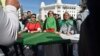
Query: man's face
[23, 17]
[29, 13]
[56, 16]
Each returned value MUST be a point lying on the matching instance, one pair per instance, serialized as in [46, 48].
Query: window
[72, 11]
[72, 7]
[74, 15]
[58, 11]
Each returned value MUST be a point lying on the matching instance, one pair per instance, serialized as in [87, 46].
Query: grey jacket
[8, 25]
[80, 18]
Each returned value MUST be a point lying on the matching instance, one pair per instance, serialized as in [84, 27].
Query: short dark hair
[28, 12]
[22, 14]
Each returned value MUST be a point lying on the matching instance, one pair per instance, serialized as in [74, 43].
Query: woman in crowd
[68, 27]
[67, 24]
[50, 26]
[50, 23]
[33, 26]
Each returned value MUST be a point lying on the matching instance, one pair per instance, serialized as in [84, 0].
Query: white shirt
[8, 25]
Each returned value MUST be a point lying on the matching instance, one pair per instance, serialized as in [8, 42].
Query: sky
[34, 5]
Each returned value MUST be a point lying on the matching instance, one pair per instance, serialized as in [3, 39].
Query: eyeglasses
[33, 17]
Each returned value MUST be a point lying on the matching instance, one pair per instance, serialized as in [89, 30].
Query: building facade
[20, 12]
[59, 8]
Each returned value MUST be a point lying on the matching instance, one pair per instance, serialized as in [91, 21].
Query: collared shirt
[8, 25]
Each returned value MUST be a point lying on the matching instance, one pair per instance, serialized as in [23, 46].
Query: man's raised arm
[9, 23]
[13, 3]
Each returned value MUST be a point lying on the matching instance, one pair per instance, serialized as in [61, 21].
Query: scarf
[33, 21]
[51, 23]
[69, 23]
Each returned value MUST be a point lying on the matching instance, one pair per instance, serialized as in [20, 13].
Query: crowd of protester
[89, 40]
[52, 23]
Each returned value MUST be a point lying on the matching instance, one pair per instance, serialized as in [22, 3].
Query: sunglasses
[50, 13]
[33, 17]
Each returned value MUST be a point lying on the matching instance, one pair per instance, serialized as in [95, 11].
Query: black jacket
[89, 43]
